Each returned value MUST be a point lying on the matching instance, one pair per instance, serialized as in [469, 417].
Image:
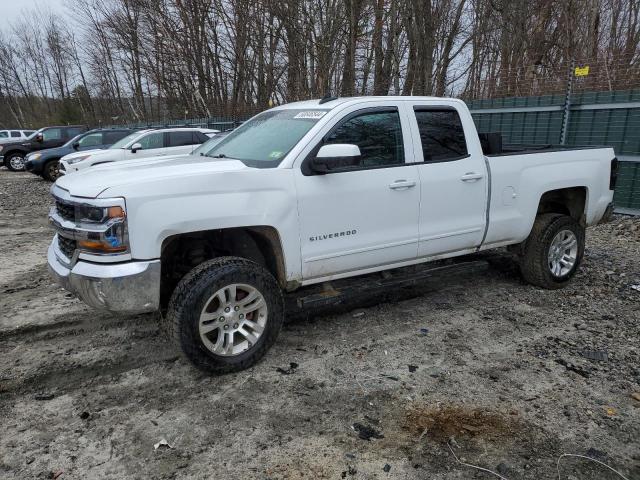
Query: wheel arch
[12, 151]
[570, 201]
[182, 252]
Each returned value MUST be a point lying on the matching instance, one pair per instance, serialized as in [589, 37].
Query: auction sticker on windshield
[313, 114]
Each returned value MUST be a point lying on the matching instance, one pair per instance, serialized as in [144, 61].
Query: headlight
[114, 238]
[88, 213]
[77, 159]
[35, 156]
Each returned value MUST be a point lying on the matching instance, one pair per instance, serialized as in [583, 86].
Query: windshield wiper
[220, 155]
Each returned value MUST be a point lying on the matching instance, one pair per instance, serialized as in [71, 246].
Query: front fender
[160, 209]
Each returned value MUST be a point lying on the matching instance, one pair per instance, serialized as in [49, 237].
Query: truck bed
[492, 146]
[523, 149]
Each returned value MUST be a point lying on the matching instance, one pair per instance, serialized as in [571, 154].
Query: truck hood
[92, 182]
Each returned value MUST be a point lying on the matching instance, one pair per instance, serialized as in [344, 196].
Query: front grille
[67, 246]
[65, 210]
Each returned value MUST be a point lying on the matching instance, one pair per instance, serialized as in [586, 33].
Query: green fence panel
[627, 193]
[617, 127]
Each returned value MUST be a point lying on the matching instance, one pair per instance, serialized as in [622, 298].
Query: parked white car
[13, 135]
[313, 192]
[141, 144]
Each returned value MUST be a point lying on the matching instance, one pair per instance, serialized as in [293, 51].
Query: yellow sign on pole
[582, 71]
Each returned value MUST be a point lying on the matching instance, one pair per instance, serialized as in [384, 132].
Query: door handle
[402, 184]
[471, 177]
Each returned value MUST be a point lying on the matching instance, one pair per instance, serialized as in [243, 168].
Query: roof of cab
[315, 103]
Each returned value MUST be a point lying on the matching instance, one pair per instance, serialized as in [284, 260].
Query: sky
[10, 9]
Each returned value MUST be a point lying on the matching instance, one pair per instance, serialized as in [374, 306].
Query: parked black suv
[48, 137]
[45, 162]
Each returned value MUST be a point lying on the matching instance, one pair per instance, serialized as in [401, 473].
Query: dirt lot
[494, 368]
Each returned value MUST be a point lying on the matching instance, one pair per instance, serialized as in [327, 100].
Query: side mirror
[76, 145]
[336, 156]
[135, 147]
[39, 137]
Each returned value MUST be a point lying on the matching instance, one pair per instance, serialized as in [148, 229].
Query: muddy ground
[486, 367]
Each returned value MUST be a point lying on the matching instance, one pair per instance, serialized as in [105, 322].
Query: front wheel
[51, 170]
[553, 251]
[15, 162]
[225, 314]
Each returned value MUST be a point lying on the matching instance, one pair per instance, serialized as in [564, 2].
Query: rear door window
[112, 137]
[441, 134]
[73, 131]
[15, 134]
[179, 139]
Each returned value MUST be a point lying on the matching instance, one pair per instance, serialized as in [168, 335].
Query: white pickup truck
[311, 192]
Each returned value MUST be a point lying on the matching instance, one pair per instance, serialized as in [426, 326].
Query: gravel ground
[503, 375]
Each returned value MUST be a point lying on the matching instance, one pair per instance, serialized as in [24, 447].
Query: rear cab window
[441, 134]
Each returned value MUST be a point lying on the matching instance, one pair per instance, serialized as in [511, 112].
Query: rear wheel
[225, 314]
[15, 162]
[51, 170]
[553, 251]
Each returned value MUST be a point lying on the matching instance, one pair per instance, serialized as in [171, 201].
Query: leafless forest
[111, 61]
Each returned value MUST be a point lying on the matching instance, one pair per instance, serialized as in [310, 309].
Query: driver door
[365, 216]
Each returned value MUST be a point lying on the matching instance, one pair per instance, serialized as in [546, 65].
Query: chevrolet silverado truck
[313, 192]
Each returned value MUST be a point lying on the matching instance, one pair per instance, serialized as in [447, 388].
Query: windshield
[266, 139]
[209, 144]
[122, 143]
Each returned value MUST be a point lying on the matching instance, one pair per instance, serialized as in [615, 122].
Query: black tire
[51, 171]
[534, 263]
[190, 297]
[7, 161]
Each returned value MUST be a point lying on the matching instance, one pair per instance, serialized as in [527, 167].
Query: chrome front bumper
[129, 287]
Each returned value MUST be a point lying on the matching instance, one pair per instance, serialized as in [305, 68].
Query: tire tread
[184, 294]
[533, 266]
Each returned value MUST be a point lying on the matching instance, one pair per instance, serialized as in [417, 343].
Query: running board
[334, 293]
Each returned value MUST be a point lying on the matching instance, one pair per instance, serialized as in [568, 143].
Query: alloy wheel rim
[563, 253]
[233, 319]
[17, 162]
[54, 171]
